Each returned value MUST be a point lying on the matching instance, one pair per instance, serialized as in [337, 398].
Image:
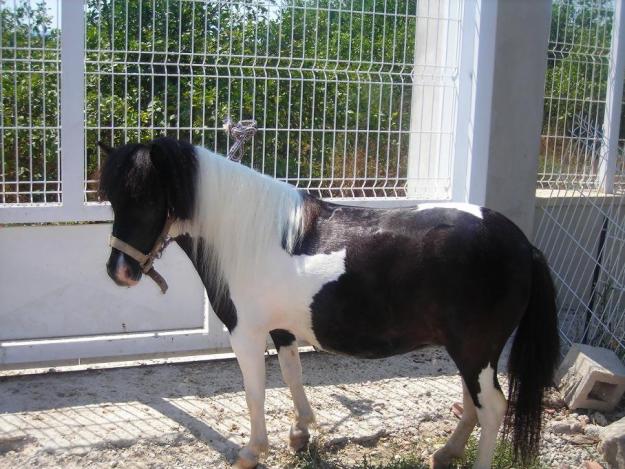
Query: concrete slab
[591, 378]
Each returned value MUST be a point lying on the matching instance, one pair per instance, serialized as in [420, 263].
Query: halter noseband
[146, 261]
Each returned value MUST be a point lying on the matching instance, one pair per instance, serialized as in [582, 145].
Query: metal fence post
[72, 105]
[614, 95]
[482, 21]
[434, 98]
[463, 124]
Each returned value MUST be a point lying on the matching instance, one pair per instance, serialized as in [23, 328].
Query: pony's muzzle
[121, 271]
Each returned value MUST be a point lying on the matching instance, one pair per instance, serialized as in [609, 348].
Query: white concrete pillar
[434, 98]
[505, 178]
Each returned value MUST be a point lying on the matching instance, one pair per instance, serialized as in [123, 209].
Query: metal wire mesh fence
[584, 238]
[29, 102]
[328, 81]
[342, 90]
[345, 92]
[575, 93]
[331, 84]
[581, 216]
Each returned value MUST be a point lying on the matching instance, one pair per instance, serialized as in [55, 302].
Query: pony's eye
[151, 203]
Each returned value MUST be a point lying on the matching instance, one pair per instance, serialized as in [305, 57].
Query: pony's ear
[176, 165]
[104, 147]
[101, 192]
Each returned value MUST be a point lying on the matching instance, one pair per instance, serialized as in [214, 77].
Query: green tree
[327, 80]
[575, 88]
[29, 92]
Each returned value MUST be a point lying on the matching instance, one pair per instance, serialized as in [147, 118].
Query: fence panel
[329, 83]
[581, 209]
[346, 94]
[333, 85]
[575, 93]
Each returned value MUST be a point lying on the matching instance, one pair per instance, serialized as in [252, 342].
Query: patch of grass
[503, 459]
[319, 457]
[313, 458]
[407, 462]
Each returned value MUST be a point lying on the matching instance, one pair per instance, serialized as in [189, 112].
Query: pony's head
[147, 185]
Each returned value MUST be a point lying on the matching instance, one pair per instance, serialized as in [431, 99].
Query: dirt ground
[194, 414]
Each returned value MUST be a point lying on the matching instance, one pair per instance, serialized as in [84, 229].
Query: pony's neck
[242, 214]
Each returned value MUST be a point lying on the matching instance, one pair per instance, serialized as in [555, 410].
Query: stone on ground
[612, 445]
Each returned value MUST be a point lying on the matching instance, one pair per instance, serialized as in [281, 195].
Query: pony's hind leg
[454, 448]
[491, 409]
[288, 356]
[477, 362]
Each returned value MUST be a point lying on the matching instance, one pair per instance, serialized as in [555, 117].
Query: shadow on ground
[77, 412]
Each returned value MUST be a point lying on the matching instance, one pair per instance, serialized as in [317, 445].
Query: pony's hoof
[442, 458]
[298, 439]
[246, 460]
[244, 463]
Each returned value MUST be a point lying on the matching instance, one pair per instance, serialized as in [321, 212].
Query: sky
[54, 7]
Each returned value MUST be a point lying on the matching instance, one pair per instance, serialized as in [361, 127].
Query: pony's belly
[370, 319]
[376, 338]
[372, 349]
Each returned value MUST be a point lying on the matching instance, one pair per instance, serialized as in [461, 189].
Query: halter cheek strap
[146, 261]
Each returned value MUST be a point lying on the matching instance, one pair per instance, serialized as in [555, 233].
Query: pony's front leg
[291, 367]
[249, 348]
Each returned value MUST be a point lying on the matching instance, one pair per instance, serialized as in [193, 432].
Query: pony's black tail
[532, 362]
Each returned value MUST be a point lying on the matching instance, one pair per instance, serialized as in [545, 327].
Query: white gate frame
[72, 207]
[472, 179]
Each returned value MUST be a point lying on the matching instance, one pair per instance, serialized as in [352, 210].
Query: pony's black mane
[143, 170]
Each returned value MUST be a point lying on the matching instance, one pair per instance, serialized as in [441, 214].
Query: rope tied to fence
[241, 132]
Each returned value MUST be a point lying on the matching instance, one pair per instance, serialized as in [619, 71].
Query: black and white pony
[364, 282]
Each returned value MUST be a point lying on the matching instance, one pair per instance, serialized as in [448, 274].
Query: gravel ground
[194, 414]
